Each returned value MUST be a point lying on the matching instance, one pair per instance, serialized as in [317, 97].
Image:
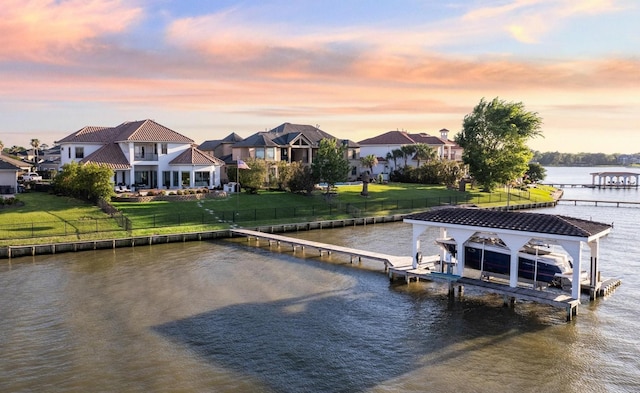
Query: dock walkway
[388, 260]
[401, 267]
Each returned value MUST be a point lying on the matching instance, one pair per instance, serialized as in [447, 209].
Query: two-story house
[386, 143]
[143, 154]
[291, 143]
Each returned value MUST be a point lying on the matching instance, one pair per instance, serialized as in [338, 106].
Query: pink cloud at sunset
[207, 69]
[43, 30]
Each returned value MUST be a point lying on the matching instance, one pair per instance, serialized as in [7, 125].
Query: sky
[355, 68]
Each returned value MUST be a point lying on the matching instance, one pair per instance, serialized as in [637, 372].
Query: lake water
[226, 316]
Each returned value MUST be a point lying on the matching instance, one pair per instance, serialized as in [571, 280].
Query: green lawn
[48, 218]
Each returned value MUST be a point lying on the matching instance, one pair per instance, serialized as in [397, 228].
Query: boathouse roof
[516, 221]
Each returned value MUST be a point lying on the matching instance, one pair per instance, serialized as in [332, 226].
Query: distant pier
[594, 202]
[613, 179]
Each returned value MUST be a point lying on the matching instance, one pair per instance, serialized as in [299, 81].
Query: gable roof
[135, 131]
[4, 165]
[211, 145]
[110, 155]
[193, 156]
[286, 134]
[516, 221]
[16, 163]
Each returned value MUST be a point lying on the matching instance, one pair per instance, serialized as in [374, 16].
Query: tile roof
[516, 221]
[149, 131]
[389, 138]
[136, 131]
[405, 138]
[428, 139]
[193, 156]
[110, 155]
[91, 135]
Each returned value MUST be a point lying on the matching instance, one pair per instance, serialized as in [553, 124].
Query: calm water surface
[226, 316]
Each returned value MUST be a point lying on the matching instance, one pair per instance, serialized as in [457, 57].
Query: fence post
[97, 226]
[31, 228]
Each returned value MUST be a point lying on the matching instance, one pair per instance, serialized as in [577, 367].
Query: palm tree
[394, 155]
[424, 152]
[369, 161]
[1, 147]
[35, 143]
[407, 150]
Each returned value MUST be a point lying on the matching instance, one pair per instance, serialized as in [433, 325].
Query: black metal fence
[57, 228]
[313, 212]
[277, 214]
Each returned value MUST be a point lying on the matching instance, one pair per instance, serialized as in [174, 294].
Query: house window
[164, 148]
[270, 153]
[186, 179]
[166, 179]
[202, 179]
[354, 154]
[69, 153]
[141, 178]
[284, 154]
[176, 178]
[79, 152]
[354, 171]
[260, 152]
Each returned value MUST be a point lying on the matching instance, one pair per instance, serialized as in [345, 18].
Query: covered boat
[491, 255]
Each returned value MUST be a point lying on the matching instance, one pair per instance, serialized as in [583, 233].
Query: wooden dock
[401, 267]
[387, 260]
[599, 202]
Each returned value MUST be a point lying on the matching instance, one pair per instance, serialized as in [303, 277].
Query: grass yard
[48, 218]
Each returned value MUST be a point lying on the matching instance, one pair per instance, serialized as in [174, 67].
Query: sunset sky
[355, 68]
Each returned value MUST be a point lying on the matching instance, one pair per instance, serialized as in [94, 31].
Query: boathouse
[516, 229]
[615, 179]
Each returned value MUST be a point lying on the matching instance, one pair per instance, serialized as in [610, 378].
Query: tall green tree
[85, 181]
[254, 178]
[494, 140]
[302, 179]
[535, 172]
[330, 164]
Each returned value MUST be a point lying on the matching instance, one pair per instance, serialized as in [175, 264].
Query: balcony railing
[146, 157]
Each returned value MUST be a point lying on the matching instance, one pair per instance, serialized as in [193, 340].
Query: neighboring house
[291, 143]
[389, 141]
[221, 148]
[24, 166]
[49, 160]
[8, 175]
[143, 154]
